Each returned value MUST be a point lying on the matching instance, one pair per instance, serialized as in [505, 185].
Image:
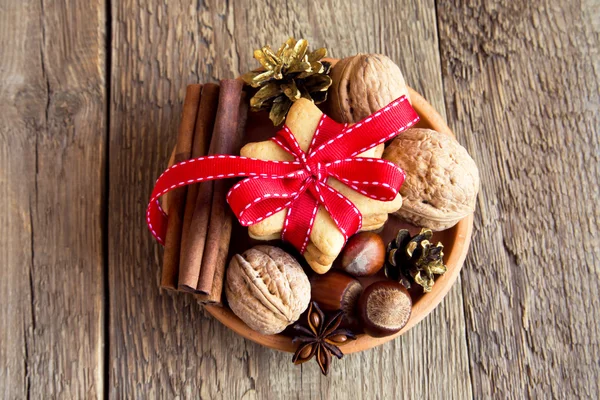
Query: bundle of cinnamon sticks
[200, 221]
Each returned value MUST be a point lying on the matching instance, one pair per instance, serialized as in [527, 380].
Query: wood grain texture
[522, 89]
[163, 345]
[52, 137]
[520, 84]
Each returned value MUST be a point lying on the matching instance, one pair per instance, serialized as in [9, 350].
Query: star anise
[321, 338]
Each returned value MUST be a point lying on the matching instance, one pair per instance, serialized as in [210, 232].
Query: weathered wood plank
[163, 345]
[52, 137]
[522, 91]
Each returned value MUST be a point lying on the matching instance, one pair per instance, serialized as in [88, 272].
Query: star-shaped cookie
[326, 240]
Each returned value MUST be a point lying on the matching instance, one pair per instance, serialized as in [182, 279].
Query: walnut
[442, 180]
[362, 85]
[267, 289]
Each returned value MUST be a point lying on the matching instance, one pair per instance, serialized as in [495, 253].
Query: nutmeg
[363, 84]
[384, 308]
[336, 291]
[363, 255]
[442, 180]
[267, 289]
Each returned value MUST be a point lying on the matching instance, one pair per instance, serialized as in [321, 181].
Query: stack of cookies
[326, 241]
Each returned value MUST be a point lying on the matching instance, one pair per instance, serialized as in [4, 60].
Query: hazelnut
[267, 289]
[384, 308]
[336, 291]
[442, 180]
[363, 84]
[363, 255]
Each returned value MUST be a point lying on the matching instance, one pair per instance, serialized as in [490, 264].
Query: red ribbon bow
[300, 185]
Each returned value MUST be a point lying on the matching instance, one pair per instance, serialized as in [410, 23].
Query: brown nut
[363, 255]
[363, 84]
[336, 291]
[384, 308]
[267, 289]
[442, 180]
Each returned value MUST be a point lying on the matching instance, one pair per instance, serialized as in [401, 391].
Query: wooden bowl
[456, 245]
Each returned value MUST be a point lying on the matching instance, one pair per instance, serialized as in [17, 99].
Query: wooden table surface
[91, 94]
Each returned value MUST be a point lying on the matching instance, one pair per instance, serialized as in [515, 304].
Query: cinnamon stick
[183, 151]
[216, 292]
[215, 295]
[193, 239]
[229, 129]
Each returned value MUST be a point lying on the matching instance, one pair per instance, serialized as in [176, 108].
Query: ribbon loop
[343, 212]
[359, 172]
[369, 132]
[257, 198]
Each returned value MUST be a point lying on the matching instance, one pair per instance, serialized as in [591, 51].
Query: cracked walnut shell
[442, 180]
[362, 85]
[267, 289]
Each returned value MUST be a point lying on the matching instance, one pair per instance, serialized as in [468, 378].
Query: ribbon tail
[375, 129]
[206, 169]
[300, 220]
[157, 220]
[343, 212]
[326, 130]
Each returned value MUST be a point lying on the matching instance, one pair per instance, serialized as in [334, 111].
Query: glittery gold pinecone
[287, 75]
